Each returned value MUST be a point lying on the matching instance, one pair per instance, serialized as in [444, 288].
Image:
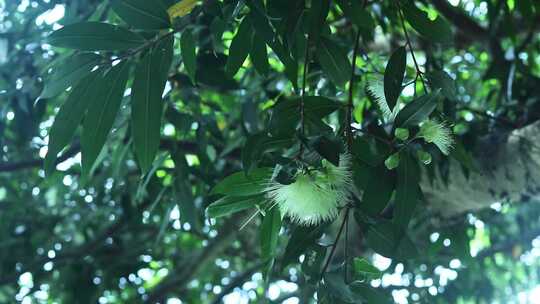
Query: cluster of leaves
[213, 100]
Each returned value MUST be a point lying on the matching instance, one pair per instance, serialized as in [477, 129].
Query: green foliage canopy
[180, 121]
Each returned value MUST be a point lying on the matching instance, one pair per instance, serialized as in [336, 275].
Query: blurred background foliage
[120, 237]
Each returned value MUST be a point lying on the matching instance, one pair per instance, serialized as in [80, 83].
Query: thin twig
[419, 73]
[334, 245]
[302, 95]
[350, 105]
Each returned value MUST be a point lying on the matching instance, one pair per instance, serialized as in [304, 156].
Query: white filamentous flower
[438, 133]
[375, 89]
[314, 196]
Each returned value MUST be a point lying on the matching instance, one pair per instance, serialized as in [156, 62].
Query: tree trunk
[508, 170]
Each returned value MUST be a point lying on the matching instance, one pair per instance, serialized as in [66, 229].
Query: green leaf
[68, 118]
[240, 184]
[95, 36]
[147, 102]
[408, 176]
[143, 14]
[257, 144]
[464, 157]
[370, 151]
[181, 121]
[189, 55]
[259, 19]
[381, 238]
[317, 17]
[364, 268]
[441, 80]
[263, 28]
[231, 204]
[526, 8]
[286, 113]
[354, 11]
[370, 294]
[269, 236]
[259, 55]
[378, 185]
[68, 73]
[240, 46]
[438, 30]
[183, 190]
[334, 61]
[393, 76]
[312, 264]
[337, 289]
[417, 111]
[107, 95]
[301, 238]
[328, 147]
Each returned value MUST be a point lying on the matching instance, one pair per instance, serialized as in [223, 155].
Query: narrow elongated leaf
[147, 102]
[438, 30]
[238, 184]
[144, 14]
[189, 213]
[107, 96]
[317, 17]
[68, 73]
[406, 193]
[269, 237]
[357, 14]
[259, 55]
[334, 61]
[240, 46]
[260, 23]
[393, 76]
[95, 36]
[68, 118]
[262, 27]
[418, 110]
[231, 204]
[189, 56]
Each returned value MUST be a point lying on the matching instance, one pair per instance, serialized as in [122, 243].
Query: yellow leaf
[181, 8]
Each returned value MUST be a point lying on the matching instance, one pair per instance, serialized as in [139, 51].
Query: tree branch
[466, 25]
[186, 146]
[182, 274]
[239, 280]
